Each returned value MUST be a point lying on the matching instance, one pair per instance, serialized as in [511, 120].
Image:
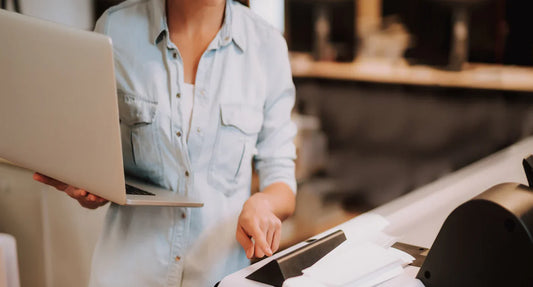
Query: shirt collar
[158, 21]
[232, 29]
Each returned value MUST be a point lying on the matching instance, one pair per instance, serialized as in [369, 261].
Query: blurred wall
[272, 11]
[386, 140]
[76, 13]
[55, 236]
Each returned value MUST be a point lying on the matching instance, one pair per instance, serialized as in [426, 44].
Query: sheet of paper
[377, 277]
[367, 228]
[395, 277]
[357, 262]
[407, 279]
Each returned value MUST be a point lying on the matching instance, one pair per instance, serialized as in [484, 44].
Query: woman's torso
[206, 152]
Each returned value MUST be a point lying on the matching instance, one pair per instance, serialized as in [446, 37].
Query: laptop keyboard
[133, 190]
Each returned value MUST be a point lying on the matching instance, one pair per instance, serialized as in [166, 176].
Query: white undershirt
[187, 103]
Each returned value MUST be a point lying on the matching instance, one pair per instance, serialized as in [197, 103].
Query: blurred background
[391, 95]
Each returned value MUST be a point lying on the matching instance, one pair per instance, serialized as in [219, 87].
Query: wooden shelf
[473, 76]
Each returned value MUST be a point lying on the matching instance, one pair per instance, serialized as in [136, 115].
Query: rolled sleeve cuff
[276, 170]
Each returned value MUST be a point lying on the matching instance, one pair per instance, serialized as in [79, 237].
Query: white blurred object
[272, 11]
[9, 272]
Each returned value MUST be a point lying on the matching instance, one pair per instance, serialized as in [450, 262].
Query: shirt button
[202, 92]
[187, 173]
[198, 130]
[226, 39]
[178, 134]
[183, 215]
[175, 55]
[178, 95]
[177, 258]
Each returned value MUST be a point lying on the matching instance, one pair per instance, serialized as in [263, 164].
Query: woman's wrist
[279, 198]
[262, 201]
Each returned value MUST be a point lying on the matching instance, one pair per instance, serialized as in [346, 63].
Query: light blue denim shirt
[242, 103]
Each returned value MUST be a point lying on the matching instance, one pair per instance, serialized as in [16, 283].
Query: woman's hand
[257, 221]
[85, 198]
[259, 226]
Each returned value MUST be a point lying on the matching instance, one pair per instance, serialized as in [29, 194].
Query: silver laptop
[59, 110]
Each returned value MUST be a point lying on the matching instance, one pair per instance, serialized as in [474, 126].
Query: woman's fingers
[253, 239]
[91, 201]
[270, 237]
[262, 248]
[245, 241]
[75, 193]
[90, 204]
[275, 240]
[50, 181]
[85, 198]
[258, 227]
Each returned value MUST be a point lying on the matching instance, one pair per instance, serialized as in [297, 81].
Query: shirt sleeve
[276, 152]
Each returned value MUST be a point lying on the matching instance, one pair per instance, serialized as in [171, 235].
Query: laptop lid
[57, 92]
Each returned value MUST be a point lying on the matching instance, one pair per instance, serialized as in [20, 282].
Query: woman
[204, 90]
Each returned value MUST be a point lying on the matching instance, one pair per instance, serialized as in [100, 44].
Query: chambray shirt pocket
[140, 144]
[230, 167]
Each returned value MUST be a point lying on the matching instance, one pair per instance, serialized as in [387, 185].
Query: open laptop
[59, 110]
